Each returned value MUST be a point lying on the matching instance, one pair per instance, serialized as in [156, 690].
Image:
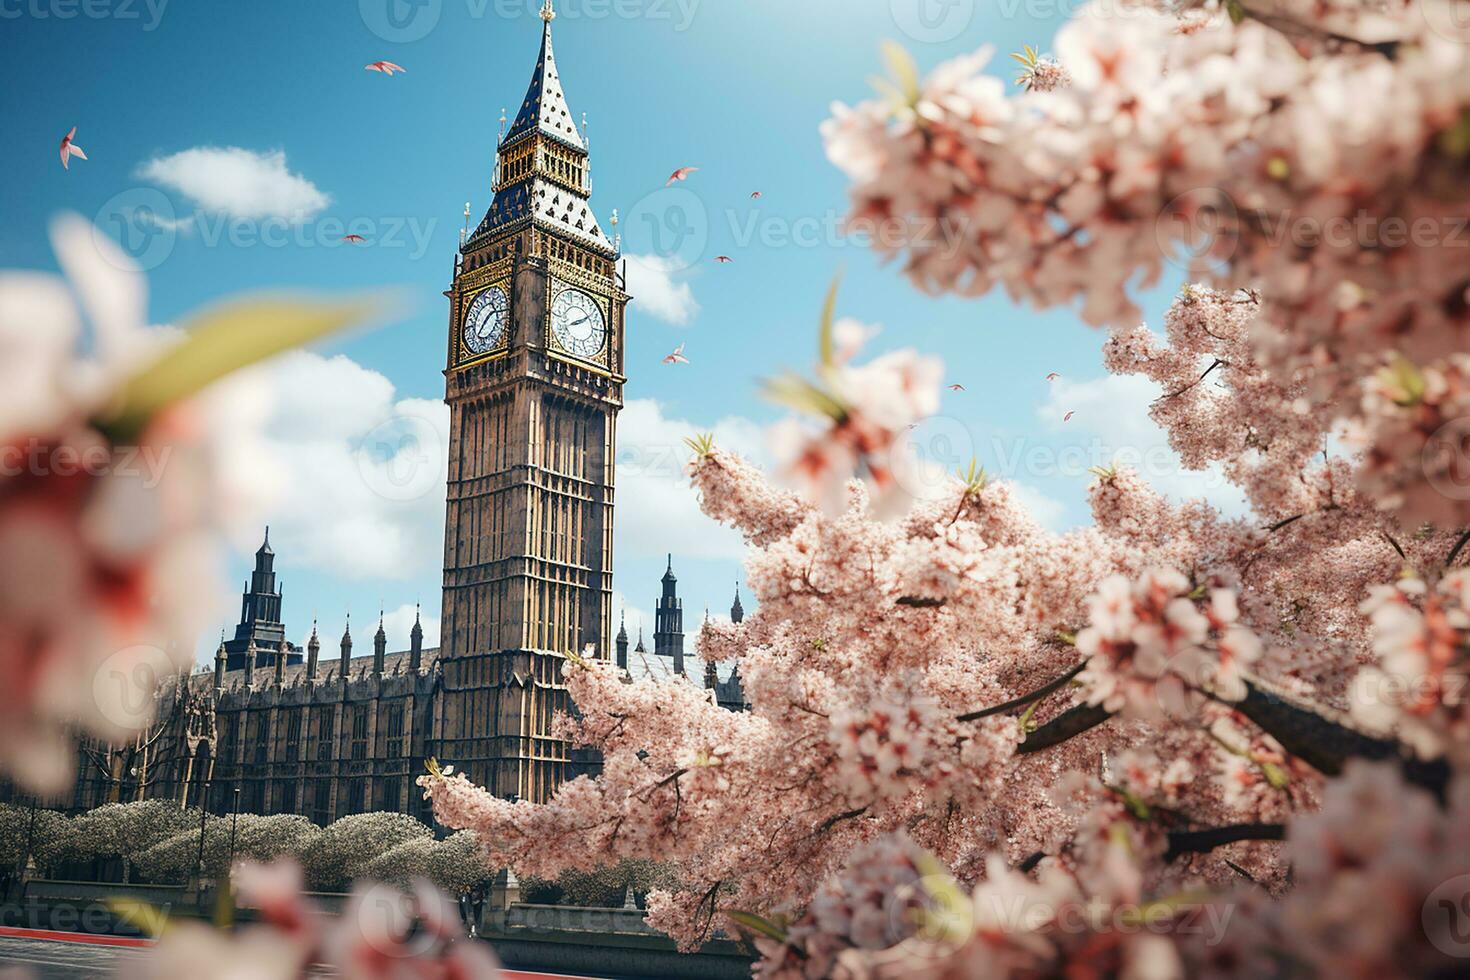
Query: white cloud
[237, 182]
[651, 281]
[1111, 417]
[1047, 511]
[359, 473]
[656, 504]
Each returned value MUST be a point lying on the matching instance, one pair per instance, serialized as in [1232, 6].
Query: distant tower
[380, 647]
[737, 611]
[260, 615]
[640, 648]
[668, 623]
[623, 643]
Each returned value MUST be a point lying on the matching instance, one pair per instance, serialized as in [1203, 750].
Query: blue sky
[736, 89]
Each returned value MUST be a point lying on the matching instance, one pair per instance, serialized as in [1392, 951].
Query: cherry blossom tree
[1169, 743]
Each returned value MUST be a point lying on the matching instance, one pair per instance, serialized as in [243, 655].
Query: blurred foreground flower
[382, 933]
[115, 484]
[861, 412]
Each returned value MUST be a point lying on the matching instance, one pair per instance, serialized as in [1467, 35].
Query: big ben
[534, 382]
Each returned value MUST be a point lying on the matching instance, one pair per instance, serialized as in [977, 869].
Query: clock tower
[534, 383]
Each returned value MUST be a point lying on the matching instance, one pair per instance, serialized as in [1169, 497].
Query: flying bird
[723, 259]
[681, 174]
[386, 67]
[677, 357]
[70, 149]
[353, 238]
[956, 387]
[755, 195]
[1053, 376]
[1068, 416]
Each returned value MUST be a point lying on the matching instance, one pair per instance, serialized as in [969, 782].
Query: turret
[416, 644]
[380, 647]
[313, 653]
[737, 611]
[251, 652]
[281, 652]
[622, 643]
[346, 667]
[219, 665]
[668, 626]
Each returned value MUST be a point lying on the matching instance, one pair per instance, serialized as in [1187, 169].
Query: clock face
[486, 320]
[578, 323]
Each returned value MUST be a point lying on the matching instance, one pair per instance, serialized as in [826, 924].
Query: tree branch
[1050, 687]
[1074, 721]
[1183, 842]
[1327, 745]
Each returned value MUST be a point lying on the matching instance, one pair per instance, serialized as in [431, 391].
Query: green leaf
[826, 348]
[1454, 142]
[1236, 10]
[903, 70]
[701, 444]
[758, 924]
[796, 392]
[223, 340]
[1404, 381]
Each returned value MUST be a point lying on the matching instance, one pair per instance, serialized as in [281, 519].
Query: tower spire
[547, 14]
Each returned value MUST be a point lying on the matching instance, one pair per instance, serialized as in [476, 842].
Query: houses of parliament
[534, 375]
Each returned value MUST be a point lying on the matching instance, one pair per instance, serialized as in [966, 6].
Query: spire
[737, 611]
[622, 642]
[219, 663]
[545, 106]
[416, 643]
[669, 572]
[265, 548]
[380, 647]
[313, 652]
[640, 648]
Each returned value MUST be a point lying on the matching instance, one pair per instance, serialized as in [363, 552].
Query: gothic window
[395, 731]
[355, 796]
[321, 802]
[359, 731]
[260, 736]
[293, 736]
[326, 722]
[389, 794]
[288, 796]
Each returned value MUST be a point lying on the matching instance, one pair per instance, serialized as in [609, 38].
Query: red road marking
[12, 932]
[88, 939]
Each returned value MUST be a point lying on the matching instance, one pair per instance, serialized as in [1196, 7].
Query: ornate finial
[617, 235]
[547, 14]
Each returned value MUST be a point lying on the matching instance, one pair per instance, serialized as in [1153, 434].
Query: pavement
[72, 955]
